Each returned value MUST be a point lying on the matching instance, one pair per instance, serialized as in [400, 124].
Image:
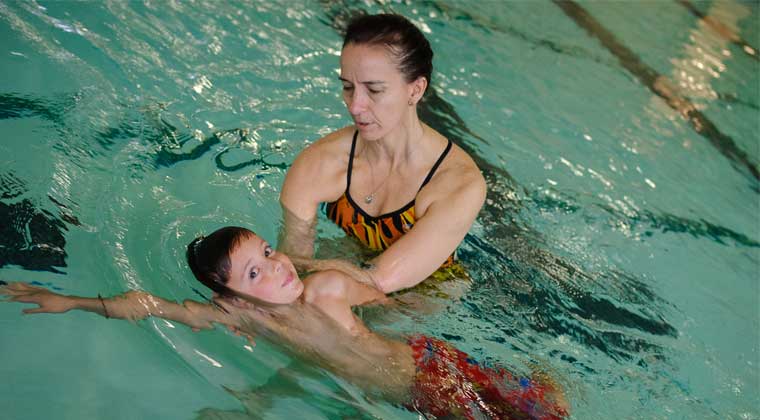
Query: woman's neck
[399, 146]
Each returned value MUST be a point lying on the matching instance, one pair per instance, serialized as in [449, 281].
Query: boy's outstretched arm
[133, 305]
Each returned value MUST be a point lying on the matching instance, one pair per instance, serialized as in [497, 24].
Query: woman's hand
[235, 330]
[48, 302]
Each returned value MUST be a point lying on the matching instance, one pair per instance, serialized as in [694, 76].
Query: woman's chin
[369, 132]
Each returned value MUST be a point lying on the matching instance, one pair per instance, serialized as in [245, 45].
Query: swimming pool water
[618, 249]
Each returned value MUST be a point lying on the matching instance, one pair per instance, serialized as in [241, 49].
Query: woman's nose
[356, 103]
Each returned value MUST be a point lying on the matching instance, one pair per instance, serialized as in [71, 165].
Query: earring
[411, 102]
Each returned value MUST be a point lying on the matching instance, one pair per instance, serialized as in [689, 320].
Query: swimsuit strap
[437, 164]
[427, 178]
[351, 161]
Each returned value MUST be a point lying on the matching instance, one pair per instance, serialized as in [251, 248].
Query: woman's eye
[254, 272]
[268, 251]
[374, 91]
[347, 88]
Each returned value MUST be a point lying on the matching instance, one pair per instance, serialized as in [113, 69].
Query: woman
[259, 292]
[389, 180]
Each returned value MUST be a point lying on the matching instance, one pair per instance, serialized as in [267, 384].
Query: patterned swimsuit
[448, 382]
[376, 232]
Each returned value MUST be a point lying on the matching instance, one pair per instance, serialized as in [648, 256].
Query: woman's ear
[418, 89]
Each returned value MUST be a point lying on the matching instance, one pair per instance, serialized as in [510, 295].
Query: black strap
[437, 164]
[351, 161]
[427, 178]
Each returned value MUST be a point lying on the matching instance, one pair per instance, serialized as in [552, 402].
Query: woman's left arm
[423, 249]
[434, 236]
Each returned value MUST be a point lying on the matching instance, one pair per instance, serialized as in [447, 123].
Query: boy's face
[257, 270]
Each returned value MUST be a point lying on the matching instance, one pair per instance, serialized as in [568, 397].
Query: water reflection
[663, 87]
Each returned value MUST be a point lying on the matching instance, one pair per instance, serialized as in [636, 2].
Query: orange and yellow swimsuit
[376, 232]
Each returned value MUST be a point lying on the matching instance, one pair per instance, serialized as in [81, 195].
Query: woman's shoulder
[336, 143]
[322, 163]
[457, 179]
[458, 168]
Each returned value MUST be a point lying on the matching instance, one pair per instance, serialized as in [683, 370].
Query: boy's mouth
[289, 279]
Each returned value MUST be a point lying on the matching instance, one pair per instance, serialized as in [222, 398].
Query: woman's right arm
[317, 175]
[133, 305]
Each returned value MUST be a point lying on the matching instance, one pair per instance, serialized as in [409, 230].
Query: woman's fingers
[224, 304]
[234, 330]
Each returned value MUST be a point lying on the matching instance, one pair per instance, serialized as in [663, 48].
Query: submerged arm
[317, 175]
[133, 305]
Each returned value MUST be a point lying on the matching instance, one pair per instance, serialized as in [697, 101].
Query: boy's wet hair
[209, 257]
[404, 41]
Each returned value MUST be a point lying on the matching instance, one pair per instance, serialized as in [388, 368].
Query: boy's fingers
[21, 287]
[33, 310]
[23, 299]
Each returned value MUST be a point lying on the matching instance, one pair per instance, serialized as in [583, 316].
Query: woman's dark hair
[405, 42]
[209, 257]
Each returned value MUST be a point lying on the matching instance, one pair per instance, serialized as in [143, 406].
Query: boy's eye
[374, 91]
[254, 272]
[268, 251]
[346, 88]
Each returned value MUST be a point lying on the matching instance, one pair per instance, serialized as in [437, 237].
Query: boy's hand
[48, 302]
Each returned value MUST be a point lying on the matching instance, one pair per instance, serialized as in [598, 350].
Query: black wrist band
[105, 310]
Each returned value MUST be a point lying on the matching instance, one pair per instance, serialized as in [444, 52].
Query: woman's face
[375, 91]
[257, 270]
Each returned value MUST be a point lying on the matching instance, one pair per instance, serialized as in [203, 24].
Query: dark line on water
[660, 86]
[734, 99]
[454, 13]
[721, 29]
[662, 222]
